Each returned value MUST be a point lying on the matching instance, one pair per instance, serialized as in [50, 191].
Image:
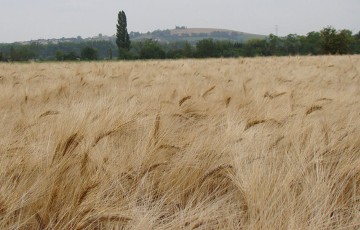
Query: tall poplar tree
[122, 36]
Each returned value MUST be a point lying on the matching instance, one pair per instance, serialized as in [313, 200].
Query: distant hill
[191, 35]
[194, 34]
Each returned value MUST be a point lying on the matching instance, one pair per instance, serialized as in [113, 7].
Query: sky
[23, 20]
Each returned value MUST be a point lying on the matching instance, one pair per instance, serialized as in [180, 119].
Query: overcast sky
[22, 20]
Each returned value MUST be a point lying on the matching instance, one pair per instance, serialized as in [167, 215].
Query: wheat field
[261, 143]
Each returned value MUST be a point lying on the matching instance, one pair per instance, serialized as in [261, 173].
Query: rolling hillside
[194, 35]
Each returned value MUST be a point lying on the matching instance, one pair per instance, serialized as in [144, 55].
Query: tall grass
[263, 143]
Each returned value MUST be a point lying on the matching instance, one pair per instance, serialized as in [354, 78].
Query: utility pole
[276, 30]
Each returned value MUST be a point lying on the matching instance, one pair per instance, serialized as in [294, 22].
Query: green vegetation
[89, 53]
[122, 36]
[327, 41]
[150, 49]
[336, 42]
[71, 56]
[63, 51]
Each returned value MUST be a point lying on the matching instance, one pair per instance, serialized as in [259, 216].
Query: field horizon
[246, 143]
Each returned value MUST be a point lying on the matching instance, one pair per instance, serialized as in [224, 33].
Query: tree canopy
[336, 42]
[89, 53]
[122, 36]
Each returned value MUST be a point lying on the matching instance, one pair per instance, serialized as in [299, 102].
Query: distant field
[262, 143]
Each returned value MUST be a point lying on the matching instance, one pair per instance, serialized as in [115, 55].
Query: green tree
[344, 41]
[255, 47]
[151, 50]
[274, 46]
[357, 36]
[12, 54]
[355, 47]
[122, 36]
[311, 43]
[225, 49]
[336, 42]
[21, 53]
[110, 54]
[188, 50]
[328, 44]
[207, 48]
[175, 54]
[59, 55]
[71, 56]
[178, 49]
[292, 44]
[89, 53]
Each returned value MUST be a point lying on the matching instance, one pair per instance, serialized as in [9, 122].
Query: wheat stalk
[313, 109]
[110, 132]
[67, 147]
[86, 191]
[273, 95]
[152, 168]
[253, 123]
[84, 163]
[227, 101]
[50, 112]
[184, 99]
[120, 220]
[40, 221]
[156, 128]
[277, 142]
[3, 208]
[208, 91]
[214, 171]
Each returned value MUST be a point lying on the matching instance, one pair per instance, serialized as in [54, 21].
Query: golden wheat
[258, 143]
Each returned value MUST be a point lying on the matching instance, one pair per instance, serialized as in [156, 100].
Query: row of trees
[18, 53]
[87, 53]
[62, 51]
[327, 41]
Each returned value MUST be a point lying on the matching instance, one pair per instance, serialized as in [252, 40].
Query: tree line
[66, 51]
[324, 42]
[328, 41]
